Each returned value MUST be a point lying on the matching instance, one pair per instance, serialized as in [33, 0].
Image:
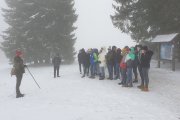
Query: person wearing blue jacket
[93, 61]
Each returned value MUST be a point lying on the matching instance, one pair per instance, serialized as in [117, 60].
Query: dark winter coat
[80, 59]
[118, 57]
[136, 61]
[114, 57]
[109, 57]
[18, 65]
[56, 61]
[146, 59]
[85, 59]
[129, 63]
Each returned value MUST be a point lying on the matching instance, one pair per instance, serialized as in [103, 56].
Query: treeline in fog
[40, 28]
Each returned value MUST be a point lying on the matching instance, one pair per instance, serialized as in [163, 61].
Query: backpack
[123, 65]
[13, 71]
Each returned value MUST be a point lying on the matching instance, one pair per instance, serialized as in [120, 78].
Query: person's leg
[100, 73]
[103, 72]
[129, 77]
[108, 66]
[97, 69]
[88, 70]
[58, 71]
[54, 71]
[135, 74]
[124, 77]
[84, 71]
[117, 71]
[18, 83]
[141, 75]
[80, 68]
[114, 69]
[146, 78]
[111, 71]
[92, 71]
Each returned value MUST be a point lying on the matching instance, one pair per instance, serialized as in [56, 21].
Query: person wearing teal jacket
[129, 64]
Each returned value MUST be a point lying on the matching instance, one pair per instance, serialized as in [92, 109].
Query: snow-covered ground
[72, 98]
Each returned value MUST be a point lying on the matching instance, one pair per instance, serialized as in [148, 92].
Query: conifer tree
[40, 28]
[143, 19]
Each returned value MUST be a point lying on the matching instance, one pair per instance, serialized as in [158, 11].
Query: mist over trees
[144, 19]
[40, 28]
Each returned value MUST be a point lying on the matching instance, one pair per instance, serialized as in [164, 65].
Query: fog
[3, 26]
[95, 28]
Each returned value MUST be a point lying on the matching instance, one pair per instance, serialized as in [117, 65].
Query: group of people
[121, 64]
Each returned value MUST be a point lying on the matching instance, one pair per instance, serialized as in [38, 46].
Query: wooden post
[158, 56]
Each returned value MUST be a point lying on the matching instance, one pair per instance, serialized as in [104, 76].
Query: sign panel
[166, 51]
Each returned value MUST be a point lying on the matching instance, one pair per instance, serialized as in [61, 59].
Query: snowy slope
[72, 98]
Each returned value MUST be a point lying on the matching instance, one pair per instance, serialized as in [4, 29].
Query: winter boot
[120, 83]
[135, 81]
[19, 95]
[101, 78]
[83, 76]
[145, 89]
[92, 77]
[141, 86]
[130, 85]
[124, 85]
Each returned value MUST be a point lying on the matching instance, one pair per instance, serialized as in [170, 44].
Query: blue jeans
[93, 67]
[129, 76]
[110, 70]
[102, 72]
[135, 72]
[80, 64]
[145, 72]
[114, 69]
[117, 71]
[141, 74]
[97, 71]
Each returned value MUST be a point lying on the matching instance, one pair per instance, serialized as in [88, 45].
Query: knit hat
[18, 52]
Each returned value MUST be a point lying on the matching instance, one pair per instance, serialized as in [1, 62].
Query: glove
[25, 65]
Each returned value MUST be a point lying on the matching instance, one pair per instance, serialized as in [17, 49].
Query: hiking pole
[33, 77]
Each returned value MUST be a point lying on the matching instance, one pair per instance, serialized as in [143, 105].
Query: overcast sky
[95, 28]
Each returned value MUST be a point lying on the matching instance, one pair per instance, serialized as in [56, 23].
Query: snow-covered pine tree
[143, 19]
[39, 28]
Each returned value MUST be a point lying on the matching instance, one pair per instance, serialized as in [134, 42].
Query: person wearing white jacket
[102, 63]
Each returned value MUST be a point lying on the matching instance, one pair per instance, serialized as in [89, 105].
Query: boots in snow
[141, 86]
[145, 89]
[19, 95]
